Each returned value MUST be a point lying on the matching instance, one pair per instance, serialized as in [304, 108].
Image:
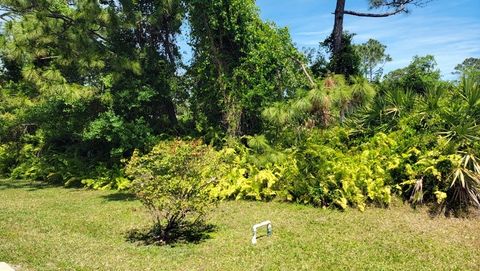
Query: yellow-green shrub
[173, 181]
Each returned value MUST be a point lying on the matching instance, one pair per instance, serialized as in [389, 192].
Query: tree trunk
[338, 26]
[170, 110]
[343, 113]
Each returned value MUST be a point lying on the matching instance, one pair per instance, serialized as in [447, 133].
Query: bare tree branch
[56, 15]
[49, 57]
[304, 69]
[376, 15]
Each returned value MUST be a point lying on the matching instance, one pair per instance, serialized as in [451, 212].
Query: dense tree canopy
[240, 64]
[346, 61]
[86, 86]
[419, 76]
[470, 64]
[372, 55]
[89, 68]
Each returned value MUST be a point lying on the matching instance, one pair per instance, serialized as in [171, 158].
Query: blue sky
[447, 29]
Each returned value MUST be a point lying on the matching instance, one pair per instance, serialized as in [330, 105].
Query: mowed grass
[52, 228]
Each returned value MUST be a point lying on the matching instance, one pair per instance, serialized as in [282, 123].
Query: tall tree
[240, 65]
[346, 61]
[391, 7]
[471, 64]
[372, 54]
[99, 72]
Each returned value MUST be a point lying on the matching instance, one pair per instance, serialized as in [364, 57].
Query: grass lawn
[52, 228]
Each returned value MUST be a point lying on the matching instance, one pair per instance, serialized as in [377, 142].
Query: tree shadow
[27, 185]
[120, 196]
[261, 236]
[186, 233]
[453, 211]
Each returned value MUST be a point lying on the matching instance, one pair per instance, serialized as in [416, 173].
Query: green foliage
[437, 132]
[448, 180]
[87, 79]
[85, 83]
[102, 183]
[173, 182]
[372, 54]
[335, 176]
[407, 143]
[317, 172]
[347, 60]
[256, 171]
[465, 187]
[317, 107]
[7, 158]
[240, 65]
[418, 77]
[469, 65]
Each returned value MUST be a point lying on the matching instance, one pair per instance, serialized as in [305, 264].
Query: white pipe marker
[256, 226]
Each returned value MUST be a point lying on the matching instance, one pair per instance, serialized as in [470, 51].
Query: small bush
[173, 182]
[7, 158]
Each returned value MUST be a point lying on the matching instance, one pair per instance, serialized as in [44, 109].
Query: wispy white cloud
[449, 39]
[449, 30]
[314, 33]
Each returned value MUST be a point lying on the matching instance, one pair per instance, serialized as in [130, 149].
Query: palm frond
[398, 102]
[466, 182]
[362, 90]
[470, 90]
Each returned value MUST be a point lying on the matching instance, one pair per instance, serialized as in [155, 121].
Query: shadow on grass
[187, 233]
[28, 185]
[120, 196]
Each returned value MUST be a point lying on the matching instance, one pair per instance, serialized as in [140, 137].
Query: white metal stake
[256, 226]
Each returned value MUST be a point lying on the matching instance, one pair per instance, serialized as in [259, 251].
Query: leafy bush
[7, 158]
[318, 172]
[254, 171]
[333, 176]
[452, 182]
[173, 182]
